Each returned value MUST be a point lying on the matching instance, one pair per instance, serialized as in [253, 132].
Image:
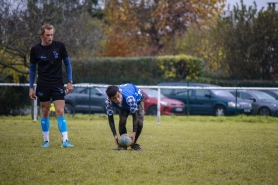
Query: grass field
[180, 150]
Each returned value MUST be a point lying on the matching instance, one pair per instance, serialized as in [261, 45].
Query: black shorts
[45, 92]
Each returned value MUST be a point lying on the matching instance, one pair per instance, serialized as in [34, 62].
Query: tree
[206, 44]
[241, 45]
[20, 22]
[157, 22]
[266, 51]
[250, 42]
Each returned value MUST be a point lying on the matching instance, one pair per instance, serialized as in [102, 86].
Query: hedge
[148, 70]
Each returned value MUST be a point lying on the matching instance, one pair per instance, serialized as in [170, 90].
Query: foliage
[95, 8]
[241, 45]
[117, 46]
[12, 100]
[249, 41]
[150, 70]
[157, 22]
[181, 150]
[181, 67]
[204, 43]
[20, 23]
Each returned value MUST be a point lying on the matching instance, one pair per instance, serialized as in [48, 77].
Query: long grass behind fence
[180, 150]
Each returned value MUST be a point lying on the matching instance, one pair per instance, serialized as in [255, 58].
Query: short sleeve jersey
[49, 60]
[131, 96]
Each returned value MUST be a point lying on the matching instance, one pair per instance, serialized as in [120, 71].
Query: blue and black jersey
[131, 96]
[49, 60]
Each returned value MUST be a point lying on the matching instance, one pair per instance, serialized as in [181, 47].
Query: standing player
[48, 55]
[128, 99]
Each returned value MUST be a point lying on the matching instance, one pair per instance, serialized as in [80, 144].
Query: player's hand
[133, 136]
[69, 88]
[32, 94]
[116, 140]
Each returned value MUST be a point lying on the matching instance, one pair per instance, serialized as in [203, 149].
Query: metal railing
[35, 111]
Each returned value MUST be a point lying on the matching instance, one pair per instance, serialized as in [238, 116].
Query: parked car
[262, 103]
[168, 106]
[273, 93]
[207, 101]
[85, 100]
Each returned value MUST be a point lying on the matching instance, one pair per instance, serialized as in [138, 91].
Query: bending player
[129, 100]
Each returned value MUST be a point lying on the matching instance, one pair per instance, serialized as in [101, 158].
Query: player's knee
[123, 120]
[122, 123]
[45, 112]
[59, 112]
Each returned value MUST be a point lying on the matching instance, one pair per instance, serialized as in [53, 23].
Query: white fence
[143, 86]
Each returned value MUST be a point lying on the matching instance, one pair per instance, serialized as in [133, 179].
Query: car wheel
[69, 109]
[219, 110]
[152, 110]
[264, 111]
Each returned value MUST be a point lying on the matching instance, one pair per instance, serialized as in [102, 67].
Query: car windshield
[79, 89]
[263, 96]
[276, 92]
[222, 93]
[152, 93]
[103, 89]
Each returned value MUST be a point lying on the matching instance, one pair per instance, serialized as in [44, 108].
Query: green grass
[180, 150]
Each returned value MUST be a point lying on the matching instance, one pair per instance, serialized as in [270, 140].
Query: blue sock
[45, 124]
[62, 124]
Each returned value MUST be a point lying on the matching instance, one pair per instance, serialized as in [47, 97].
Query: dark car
[85, 100]
[262, 103]
[273, 93]
[168, 106]
[207, 101]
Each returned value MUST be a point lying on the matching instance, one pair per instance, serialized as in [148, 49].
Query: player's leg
[45, 122]
[61, 120]
[59, 104]
[43, 93]
[140, 114]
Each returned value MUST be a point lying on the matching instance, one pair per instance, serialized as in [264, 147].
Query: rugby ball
[125, 140]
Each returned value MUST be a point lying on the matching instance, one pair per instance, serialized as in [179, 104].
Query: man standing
[128, 99]
[48, 55]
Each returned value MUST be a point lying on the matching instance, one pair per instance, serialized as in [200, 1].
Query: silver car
[262, 103]
[86, 100]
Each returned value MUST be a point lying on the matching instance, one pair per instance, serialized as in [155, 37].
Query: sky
[260, 3]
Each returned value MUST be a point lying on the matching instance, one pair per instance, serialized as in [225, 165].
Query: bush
[137, 70]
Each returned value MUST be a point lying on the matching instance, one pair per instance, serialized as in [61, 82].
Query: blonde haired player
[48, 56]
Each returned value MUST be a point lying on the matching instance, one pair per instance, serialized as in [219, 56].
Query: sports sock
[62, 125]
[45, 124]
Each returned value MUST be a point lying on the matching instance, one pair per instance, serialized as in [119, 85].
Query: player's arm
[113, 128]
[109, 110]
[112, 124]
[32, 75]
[69, 74]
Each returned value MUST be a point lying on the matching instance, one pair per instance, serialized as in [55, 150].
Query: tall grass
[180, 150]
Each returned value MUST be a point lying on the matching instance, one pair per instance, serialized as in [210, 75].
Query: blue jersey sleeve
[32, 74]
[68, 68]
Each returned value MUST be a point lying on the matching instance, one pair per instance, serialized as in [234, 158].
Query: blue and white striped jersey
[131, 96]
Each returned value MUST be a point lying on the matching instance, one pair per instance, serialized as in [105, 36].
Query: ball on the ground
[125, 140]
